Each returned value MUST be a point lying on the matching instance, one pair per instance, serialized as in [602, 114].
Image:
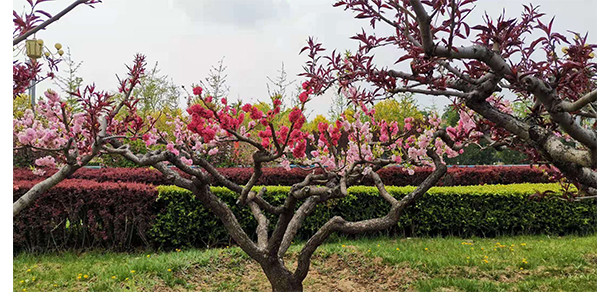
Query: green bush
[489, 210]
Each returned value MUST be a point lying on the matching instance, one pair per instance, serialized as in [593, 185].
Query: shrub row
[456, 176]
[83, 214]
[465, 211]
[122, 216]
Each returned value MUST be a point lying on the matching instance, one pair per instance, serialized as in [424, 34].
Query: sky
[187, 37]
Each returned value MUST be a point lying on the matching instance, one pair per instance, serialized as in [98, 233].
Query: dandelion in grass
[113, 277]
[21, 282]
[29, 270]
[398, 249]
[147, 255]
[85, 276]
[133, 271]
[523, 244]
[426, 248]
[126, 279]
[169, 270]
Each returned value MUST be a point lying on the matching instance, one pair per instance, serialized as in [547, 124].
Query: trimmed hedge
[465, 211]
[394, 176]
[85, 214]
[79, 214]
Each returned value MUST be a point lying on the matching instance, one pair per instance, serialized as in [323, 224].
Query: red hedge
[109, 215]
[278, 176]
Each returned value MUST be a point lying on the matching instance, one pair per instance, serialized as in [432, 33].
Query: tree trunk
[280, 278]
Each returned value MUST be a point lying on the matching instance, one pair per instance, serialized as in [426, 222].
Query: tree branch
[339, 224]
[56, 17]
[588, 98]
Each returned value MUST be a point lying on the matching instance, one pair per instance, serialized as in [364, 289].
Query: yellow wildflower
[29, 270]
[169, 270]
[21, 282]
[343, 245]
[397, 248]
[113, 277]
[147, 255]
[85, 276]
[133, 271]
[126, 279]
[426, 248]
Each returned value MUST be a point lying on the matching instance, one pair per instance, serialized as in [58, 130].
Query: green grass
[525, 263]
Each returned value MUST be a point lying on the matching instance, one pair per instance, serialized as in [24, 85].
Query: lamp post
[33, 50]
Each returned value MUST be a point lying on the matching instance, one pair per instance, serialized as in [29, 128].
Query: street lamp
[33, 49]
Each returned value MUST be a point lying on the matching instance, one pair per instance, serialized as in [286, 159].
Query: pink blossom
[213, 151]
[186, 161]
[170, 148]
[38, 171]
[47, 161]
[397, 158]
[286, 164]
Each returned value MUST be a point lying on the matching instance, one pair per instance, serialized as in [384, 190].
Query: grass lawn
[523, 263]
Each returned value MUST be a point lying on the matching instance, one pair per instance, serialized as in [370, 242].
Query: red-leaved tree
[471, 63]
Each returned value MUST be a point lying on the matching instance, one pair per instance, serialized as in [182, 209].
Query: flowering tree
[213, 122]
[72, 139]
[515, 54]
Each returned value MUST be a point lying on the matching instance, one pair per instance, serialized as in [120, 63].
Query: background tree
[398, 109]
[446, 60]
[71, 82]
[215, 84]
[339, 104]
[156, 93]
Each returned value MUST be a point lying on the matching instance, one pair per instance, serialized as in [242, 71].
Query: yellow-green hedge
[488, 210]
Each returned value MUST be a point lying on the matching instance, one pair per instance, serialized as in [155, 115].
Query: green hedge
[465, 211]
